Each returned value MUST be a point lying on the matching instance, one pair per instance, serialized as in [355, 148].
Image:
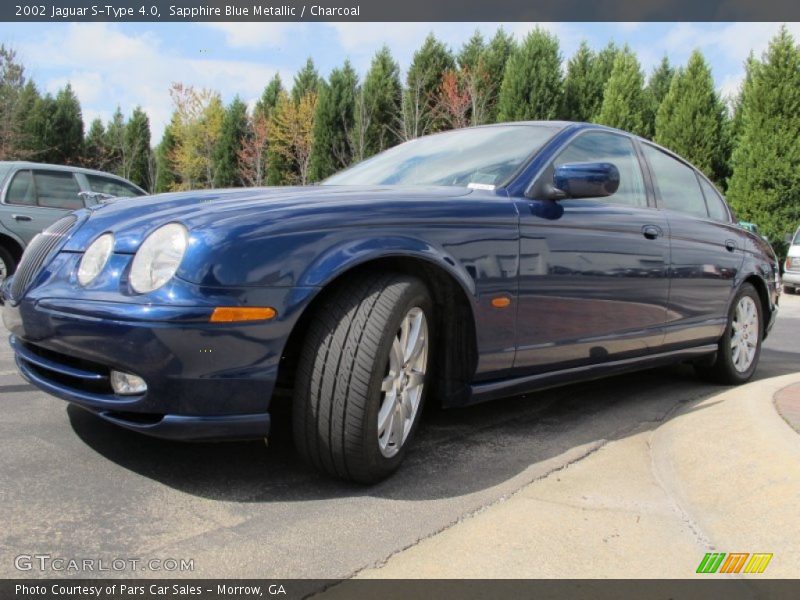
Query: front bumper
[205, 381]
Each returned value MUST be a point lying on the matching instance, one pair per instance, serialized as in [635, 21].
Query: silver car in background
[33, 196]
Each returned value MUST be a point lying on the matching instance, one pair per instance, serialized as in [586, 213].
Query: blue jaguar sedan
[455, 268]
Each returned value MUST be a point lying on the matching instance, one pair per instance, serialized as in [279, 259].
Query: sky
[130, 64]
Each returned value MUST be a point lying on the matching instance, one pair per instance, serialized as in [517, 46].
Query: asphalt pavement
[76, 487]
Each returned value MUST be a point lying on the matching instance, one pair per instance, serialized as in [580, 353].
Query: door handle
[730, 245]
[25, 218]
[651, 232]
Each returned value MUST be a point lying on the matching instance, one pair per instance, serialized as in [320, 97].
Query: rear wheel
[361, 377]
[7, 264]
[787, 289]
[740, 346]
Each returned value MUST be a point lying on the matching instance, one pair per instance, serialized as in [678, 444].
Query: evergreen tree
[137, 148]
[39, 130]
[583, 88]
[691, 119]
[24, 145]
[494, 60]
[655, 92]
[765, 184]
[226, 153]
[306, 81]
[624, 102]
[471, 52]
[532, 86]
[67, 127]
[269, 98]
[751, 64]
[166, 179]
[334, 124]
[95, 153]
[423, 79]
[12, 83]
[115, 144]
[601, 73]
[377, 109]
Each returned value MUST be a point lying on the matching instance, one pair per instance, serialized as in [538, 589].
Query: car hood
[131, 220]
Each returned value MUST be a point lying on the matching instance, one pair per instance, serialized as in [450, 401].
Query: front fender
[352, 253]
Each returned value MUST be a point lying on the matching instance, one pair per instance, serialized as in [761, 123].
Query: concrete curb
[787, 401]
[721, 474]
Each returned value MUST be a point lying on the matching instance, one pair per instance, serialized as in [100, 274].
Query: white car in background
[791, 268]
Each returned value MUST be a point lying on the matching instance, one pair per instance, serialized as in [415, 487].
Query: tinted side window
[615, 149]
[715, 204]
[677, 184]
[107, 185]
[57, 189]
[21, 190]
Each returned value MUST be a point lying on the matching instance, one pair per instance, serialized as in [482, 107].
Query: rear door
[707, 250]
[593, 273]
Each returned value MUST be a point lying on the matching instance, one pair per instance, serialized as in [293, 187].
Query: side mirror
[584, 180]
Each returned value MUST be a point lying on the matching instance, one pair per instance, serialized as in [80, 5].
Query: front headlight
[158, 257]
[95, 258]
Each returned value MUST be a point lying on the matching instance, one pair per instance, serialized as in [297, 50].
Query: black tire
[723, 369]
[337, 392]
[7, 264]
[787, 289]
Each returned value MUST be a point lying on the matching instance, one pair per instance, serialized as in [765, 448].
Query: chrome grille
[37, 254]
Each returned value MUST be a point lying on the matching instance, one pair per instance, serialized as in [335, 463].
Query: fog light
[126, 384]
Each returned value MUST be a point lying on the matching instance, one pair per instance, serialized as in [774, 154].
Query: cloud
[102, 62]
[255, 35]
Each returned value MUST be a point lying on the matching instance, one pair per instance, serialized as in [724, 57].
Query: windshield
[796, 241]
[484, 156]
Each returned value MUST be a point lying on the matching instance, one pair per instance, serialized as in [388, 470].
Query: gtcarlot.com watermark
[47, 563]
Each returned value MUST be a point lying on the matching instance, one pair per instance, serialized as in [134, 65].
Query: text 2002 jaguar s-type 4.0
[455, 268]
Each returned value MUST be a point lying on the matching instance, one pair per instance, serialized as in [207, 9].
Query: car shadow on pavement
[456, 452]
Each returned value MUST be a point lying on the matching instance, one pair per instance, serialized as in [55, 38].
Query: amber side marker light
[231, 314]
[501, 302]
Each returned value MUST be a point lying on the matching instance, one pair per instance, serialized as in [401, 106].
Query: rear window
[111, 186]
[715, 203]
[21, 190]
[676, 182]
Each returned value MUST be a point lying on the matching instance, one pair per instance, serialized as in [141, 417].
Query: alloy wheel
[401, 389]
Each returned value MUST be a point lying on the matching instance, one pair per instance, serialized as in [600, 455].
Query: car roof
[24, 164]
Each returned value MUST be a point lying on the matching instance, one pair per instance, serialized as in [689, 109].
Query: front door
[593, 273]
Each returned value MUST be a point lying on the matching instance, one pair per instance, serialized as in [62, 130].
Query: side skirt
[492, 390]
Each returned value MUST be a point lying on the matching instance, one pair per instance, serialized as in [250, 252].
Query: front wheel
[740, 346]
[362, 376]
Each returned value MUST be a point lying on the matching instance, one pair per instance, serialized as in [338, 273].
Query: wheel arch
[12, 245]
[454, 319]
[763, 294]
